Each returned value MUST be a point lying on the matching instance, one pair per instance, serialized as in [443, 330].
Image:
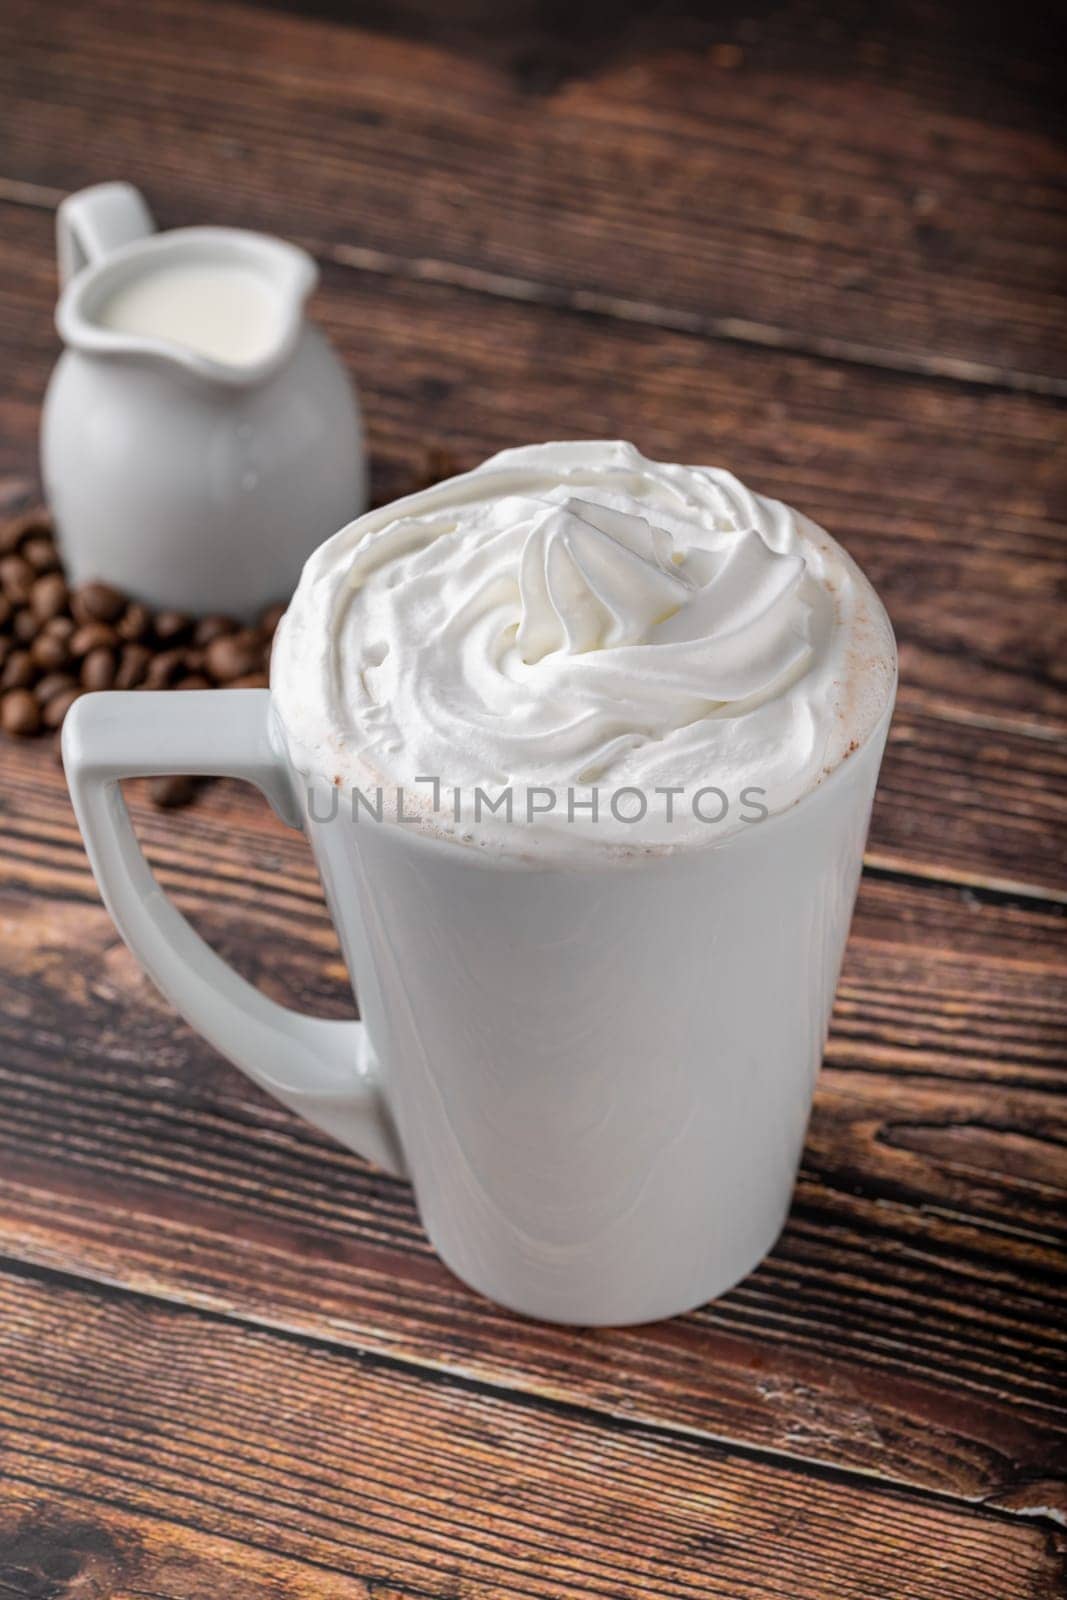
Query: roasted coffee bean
[18, 671]
[19, 713]
[48, 597]
[40, 551]
[171, 627]
[134, 622]
[164, 668]
[174, 790]
[56, 708]
[54, 683]
[59, 627]
[49, 653]
[250, 680]
[24, 625]
[17, 578]
[133, 664]
[195, 680]
[98, 669]
[7, 644]
[7, 611]
[211, 628]
[16, 529]
[97, 602]
[92, 636]
[271, 617]
[233, 656]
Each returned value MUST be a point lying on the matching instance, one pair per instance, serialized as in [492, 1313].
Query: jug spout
[223, 304]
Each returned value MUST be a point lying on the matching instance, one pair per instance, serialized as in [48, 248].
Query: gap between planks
[539, 1398]
[1005, 891]
[617, 308]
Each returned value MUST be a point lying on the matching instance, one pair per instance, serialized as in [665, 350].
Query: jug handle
[96, 221]
[325, 1071]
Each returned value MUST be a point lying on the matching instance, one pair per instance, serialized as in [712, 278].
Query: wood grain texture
[354, 1468]
[70, 1544]
[908, 1324]
[836, 183]
[978, 806]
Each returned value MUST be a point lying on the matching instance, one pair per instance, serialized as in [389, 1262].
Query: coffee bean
[97, 602]
[211, 628]
[54, 683]
[250, 680]
[6, 647]
[171, 626]
[233, 655]
[56, 708]
[59, 627]
[195, 680]
[134, 622]
[18, 671]
[19, 714]
[173, 790]
[17, 578]
[133, 664]
[92, 636]
[48, 596]
[40, 551]
[7, 611]
[271, 617]
[98, 669]
[49, 653]
[15, 529]
[24, 625]
[164, 668]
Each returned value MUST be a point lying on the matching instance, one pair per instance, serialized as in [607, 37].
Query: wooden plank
[908, 1324]
[983, 807]
[59, 1542]
[949, 499]
[167, 1426]
[839, 188]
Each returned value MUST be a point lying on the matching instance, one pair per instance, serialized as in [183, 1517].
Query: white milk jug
[200, 438]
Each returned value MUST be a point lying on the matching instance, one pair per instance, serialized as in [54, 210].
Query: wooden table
[819, 245]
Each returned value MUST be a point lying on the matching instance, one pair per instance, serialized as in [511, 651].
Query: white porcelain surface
[185, 481]
[599, 1078]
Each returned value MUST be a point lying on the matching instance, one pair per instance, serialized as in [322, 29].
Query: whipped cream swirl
[572, 617]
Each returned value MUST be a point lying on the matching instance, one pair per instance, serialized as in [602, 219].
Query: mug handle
[96, 221]
[326, 1071]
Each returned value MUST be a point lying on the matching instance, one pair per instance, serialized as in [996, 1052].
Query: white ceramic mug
[597, 1077]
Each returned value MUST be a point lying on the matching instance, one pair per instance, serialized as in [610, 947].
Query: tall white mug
[596, 1076]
